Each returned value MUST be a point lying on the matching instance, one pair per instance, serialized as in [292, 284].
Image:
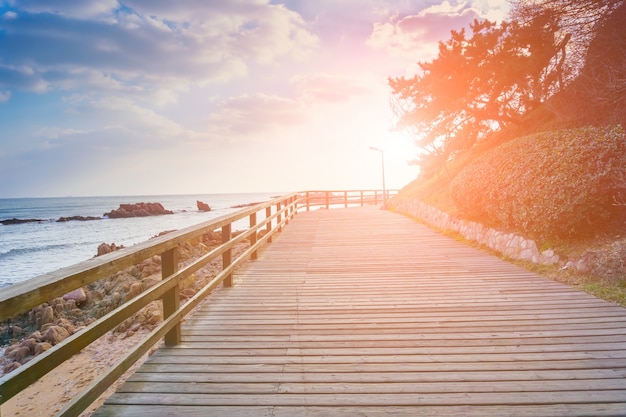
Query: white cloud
[150, 45]
[5, 96]
[247, 116]
[418, 33]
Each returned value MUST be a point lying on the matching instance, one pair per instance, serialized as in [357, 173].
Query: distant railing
[21, 297]
[345, 198]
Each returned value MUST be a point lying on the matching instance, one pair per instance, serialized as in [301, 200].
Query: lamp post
[382, 160]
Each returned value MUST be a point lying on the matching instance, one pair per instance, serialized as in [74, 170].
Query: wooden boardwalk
[363, 312]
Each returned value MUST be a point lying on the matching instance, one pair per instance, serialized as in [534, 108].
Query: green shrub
[551, 184]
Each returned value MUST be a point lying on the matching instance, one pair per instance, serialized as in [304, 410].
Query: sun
[398, 150]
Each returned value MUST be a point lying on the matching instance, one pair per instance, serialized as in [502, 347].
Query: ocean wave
[19, 252]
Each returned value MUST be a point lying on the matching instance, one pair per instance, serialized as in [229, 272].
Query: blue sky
[140, 97]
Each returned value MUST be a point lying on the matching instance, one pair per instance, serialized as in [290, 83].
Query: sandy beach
[47, 396]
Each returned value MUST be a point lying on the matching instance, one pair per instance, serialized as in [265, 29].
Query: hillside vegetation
[557, 174]
[562, 184]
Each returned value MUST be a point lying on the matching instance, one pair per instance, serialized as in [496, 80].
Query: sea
[28, 250]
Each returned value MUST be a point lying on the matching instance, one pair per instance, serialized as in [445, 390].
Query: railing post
[279, 217]
[375, 197]
[227, 256]
[361, 198]
[307, 201]
[327, 198]
[171, 299]
[268, 227]
[253, 236]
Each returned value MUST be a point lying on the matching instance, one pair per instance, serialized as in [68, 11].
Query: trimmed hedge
[557, 184]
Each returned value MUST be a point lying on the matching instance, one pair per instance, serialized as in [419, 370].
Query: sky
[144, 97]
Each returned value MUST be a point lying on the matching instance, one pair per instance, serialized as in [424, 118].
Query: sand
[48, 395]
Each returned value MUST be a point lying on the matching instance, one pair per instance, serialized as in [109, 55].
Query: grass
[612, 290]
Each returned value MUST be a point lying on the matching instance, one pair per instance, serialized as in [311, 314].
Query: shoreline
[51, 392]
[30, 250]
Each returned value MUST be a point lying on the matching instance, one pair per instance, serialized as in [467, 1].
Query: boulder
[105, 248]
[55, 334]
[42, 347]
[18, 354]
[10, 367]
[203, 206]
[138, 210]
[78, 295]
[30, 343]
[47, 315]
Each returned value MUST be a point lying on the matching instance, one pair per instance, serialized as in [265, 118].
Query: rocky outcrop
[78, 296]
[48, 324]
[37, 342]
[203, 206]
[77, 218]
[105, 248]
[20, 221]
[59, 220]
[138, 210]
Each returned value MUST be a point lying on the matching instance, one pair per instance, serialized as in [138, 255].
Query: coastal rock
[47, 315]
[30, 343]
[69, 305]
[78, 296]
[105, 248]
[55, 334]
[78, 218]
[203, 206]
[20, 221]
[138, 210]
[42, 347]
[66, 324]
[10, 367]
[18, 354]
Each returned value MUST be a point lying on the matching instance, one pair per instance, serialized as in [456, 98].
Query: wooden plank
[378, 377]
[550, 410]
[242, 350]
[380, 399]
[417, 388]
[363, 312]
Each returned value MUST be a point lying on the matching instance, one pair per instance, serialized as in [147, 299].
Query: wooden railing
[345, 198]
[21, 297]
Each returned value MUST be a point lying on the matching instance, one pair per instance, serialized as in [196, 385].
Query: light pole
[382, 160]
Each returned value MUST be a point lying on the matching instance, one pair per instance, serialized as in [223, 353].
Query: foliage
[598, 95]
[579, 19]
[552, 184]
[479, 83]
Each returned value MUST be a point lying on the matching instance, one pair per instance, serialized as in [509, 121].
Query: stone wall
[508, 244]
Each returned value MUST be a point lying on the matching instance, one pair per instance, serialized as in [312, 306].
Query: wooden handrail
[345, 198]
[21, 297]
